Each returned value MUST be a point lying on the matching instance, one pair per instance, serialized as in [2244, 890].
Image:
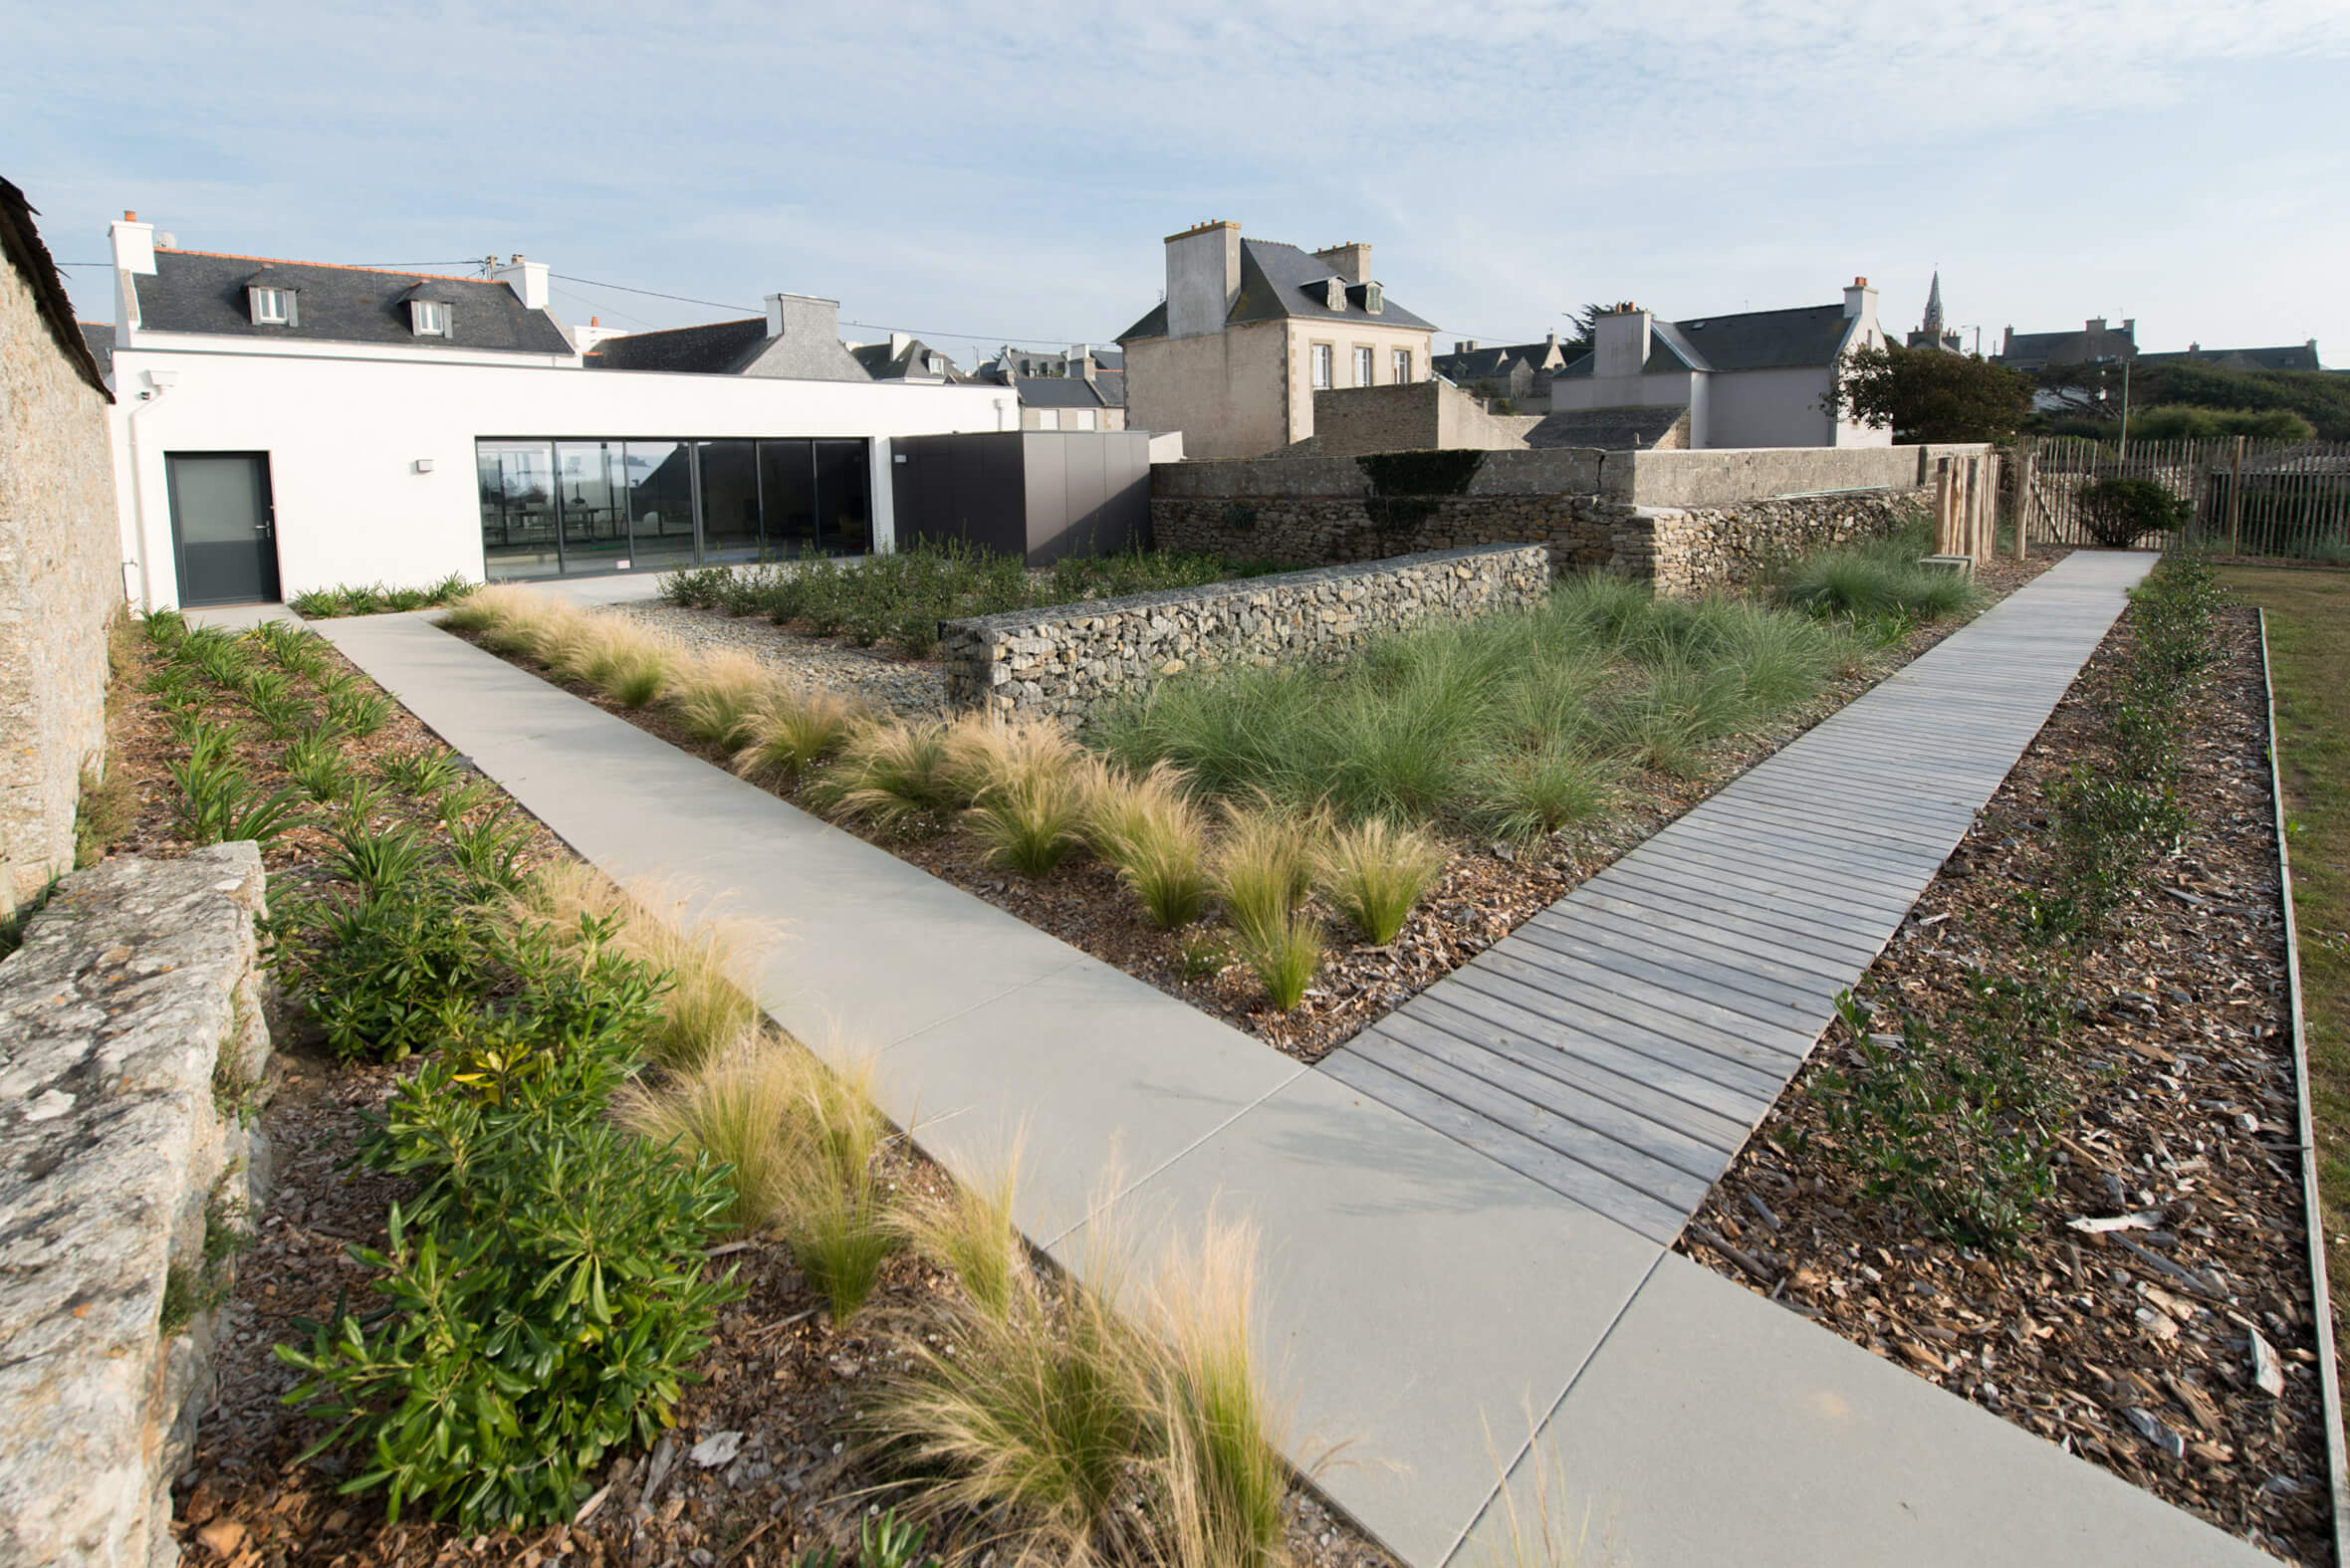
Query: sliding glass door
[576, 506]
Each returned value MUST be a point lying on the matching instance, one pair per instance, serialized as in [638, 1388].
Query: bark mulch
[1485, 891]
[2168, 1278]
[779, 1376]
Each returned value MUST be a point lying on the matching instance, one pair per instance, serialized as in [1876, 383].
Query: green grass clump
[375, 599]
[898, 776]
[901, 597]
[1878, 579]
[1284, 956]
[1375, 873]
[1261, 869]
[797, 728]
[1150, 829]
[1515, 724]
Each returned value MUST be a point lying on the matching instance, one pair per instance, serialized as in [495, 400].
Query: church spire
[1933, 321]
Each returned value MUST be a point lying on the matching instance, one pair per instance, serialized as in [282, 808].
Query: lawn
[2309, 651]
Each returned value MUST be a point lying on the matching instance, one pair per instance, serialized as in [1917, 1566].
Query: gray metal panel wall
[1045, 494]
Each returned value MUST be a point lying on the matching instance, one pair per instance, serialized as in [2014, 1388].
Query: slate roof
[1057, 391]
[1477, 363]
[882, 366]
[1274, 285]
[2029, 351]
[202, 292]
[99, 337]
[715, 349]
[1111, 384]
[1805, 336]
[2293, 356]
[20, 239]
[1626, 429]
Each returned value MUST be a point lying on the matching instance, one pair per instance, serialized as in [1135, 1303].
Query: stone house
[1082, 389]
[1250, 331]
[1758, 378]
[905, 357]
[2094, 344]
[61, 578]
[1519, 373]
[2284, 356]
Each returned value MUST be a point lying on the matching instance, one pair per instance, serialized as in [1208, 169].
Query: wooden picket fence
[2288, 498]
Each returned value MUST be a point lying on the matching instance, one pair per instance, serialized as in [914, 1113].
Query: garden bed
[1486, 889]
[2118, 1262]
[789, 1468]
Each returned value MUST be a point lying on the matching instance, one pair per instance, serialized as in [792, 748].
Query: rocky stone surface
[132, 1044]
[1680, 549]
[1072, 660]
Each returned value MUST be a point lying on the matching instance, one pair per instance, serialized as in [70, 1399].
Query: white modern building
[1755, 378]
[282, 426]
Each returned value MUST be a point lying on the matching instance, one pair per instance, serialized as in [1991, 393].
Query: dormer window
[428, 318]
[1374, 299]
[1335, 294]
[271, 307]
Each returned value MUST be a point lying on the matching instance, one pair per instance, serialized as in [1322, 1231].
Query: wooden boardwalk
[1619, 1046]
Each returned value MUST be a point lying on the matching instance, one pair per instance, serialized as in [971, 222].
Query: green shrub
[547, 1294]
[376, 599]
[1955, 1123]
[2118, 513]
[219, 804]
[1878, 579]
[381, 974]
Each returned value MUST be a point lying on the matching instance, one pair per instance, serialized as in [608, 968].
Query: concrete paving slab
[1414, 1293]
[1715, 1427]
[240, 617]
[1099, 1076]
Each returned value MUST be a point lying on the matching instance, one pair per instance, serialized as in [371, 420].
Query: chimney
[1860, 302]
[528, 279]
[804, 316]
[1350, 261]
[1203, 278]
[1464, 345]
[2194, 347]
[2096, 324]
[1081, 361]
[897, 341]
[1620, 340]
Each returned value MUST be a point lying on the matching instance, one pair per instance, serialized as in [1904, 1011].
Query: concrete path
[1423, 1302]
[1619, 1046]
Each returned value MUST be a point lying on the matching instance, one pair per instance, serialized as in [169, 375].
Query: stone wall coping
[130, 983]
[1010, 622]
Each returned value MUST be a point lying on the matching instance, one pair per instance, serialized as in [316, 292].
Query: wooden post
[2023, 500]
[1942, 507]
[2235, 497]
[1973, 535]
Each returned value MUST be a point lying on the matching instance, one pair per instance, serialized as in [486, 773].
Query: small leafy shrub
[357, 712]
[380, 974]
[419, 773]
[316, 764]
[2118, 513]
[376, 599]
[1955, 1123]
[219, 804]
[1375, 873]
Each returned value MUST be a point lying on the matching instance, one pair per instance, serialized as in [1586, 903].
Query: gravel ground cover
[1484, 891]
[763, 1465]
[2155, 1317]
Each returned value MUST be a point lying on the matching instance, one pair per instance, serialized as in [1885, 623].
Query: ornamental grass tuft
[1149, 827]
[1375, 873]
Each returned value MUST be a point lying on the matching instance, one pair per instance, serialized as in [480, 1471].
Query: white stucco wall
[343, 435]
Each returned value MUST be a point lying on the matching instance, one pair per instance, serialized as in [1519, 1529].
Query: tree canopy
[1930, 394]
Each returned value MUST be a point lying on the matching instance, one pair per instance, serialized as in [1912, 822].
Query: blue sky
[983, 173]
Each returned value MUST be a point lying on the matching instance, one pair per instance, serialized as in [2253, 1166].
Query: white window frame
[1319, 367]
[1047, 418]
[1401, 364]
[1366, 364]
[272, 307]
[1085, 419]
[428, 318]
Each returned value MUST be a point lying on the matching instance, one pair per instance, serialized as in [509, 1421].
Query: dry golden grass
[708, 1006]
[743, 1110]
[1223, 1474]
[798, 727]
[897, 774]
[1375, 873]
[1152, 831]
[1260, 867]
[718, 696]
[510, 618]
[970, 1234]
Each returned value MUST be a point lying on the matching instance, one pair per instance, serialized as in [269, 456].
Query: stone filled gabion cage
[1070, 661]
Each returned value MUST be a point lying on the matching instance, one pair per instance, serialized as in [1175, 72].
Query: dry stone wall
[1688, 551]
[1072, 660]
[132, 1041]
[61, 578]
[1584, 506]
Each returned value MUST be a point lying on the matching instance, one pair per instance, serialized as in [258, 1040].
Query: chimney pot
[128, 216]
[1860, 282]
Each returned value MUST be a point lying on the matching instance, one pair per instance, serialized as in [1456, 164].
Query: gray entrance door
[223, 529]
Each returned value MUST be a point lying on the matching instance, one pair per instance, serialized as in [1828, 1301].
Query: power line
[715, 305]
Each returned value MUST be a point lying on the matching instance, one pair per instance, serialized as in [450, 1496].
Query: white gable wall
[344, 436]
